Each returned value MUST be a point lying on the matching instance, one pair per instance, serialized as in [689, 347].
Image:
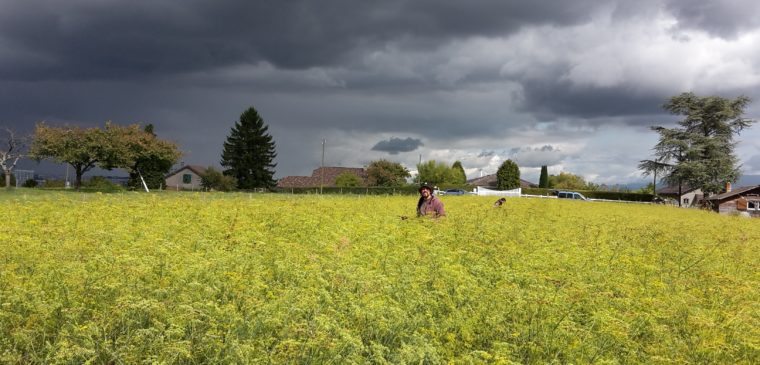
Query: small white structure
[481, 191]
[187, 177]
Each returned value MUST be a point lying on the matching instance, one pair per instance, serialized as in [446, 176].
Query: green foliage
[568, 181]
[386, 173]
[260, 278]
[435, 173]
[459, 176]
[508, 176]
[213, 179]
[30, 183]
[543, 181]
[249, 152]
[700, 151]
[100, 183]
[154, 164]
[54, 184]
[114, 146]
[347, 179]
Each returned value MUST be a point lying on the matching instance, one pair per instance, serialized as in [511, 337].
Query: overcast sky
[573, 85]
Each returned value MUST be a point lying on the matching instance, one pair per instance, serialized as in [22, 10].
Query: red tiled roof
[330, 174]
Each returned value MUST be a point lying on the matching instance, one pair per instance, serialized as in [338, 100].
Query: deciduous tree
[153, 161]
[508, 176]
[435, 173]
[347, 180]
[12, 148]
[386, 173]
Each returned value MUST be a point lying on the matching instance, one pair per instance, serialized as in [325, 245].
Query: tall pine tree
[543, 181]
[249, 151]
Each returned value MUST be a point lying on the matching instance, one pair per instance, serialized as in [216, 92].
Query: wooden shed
[744, 199]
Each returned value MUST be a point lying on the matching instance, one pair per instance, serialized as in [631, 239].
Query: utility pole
[322, 167]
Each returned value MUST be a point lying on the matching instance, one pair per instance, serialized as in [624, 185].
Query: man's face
[425, 193]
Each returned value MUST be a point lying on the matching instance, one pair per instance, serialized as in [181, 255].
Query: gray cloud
[724, 18]
[471, 79]
[395, 145]
[537, 156]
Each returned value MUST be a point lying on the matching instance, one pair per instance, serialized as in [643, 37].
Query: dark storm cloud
[549, 99]
[116, 39]
[724, 18]
[487, 154]
[395, 145]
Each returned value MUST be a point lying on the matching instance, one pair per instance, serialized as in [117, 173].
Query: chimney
[728, 187]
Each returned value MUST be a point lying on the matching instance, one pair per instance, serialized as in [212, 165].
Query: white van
[570, 195]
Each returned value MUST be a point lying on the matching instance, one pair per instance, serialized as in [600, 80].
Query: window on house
[686, 201]
[752, 205]
[187, 178]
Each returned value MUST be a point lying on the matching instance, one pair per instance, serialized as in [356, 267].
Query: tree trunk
[7, 179]
[78, 181]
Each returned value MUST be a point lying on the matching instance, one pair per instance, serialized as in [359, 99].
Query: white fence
[481, 191]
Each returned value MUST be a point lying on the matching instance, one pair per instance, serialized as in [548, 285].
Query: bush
[212, 179]
[347, 179]
[54, 183]
[100, 183]
[593, 194]
[30, 183]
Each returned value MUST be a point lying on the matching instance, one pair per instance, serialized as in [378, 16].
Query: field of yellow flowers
[257, 278]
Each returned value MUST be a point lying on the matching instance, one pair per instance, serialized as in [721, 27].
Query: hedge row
[593, 194]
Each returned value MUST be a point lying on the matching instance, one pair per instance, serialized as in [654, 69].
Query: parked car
[570, 195]
[453, 192]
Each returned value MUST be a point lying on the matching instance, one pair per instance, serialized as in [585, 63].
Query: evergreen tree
[543, 181]
[508, 176]
[700, 151]
[249, 151]
[460, 177]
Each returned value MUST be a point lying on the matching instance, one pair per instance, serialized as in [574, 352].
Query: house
[322, 176]
[744, 199]
[187, 177]
[690, 197]
[489, 181]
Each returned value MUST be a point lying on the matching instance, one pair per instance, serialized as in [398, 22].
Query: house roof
[735, 192]
[330, 174]
[197, 169]
[490, 180]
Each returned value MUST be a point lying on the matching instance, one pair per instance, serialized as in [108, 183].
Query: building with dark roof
[744, 199]
[688, 197]
[322, 176]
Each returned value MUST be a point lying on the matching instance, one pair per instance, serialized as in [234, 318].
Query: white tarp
[481, 191]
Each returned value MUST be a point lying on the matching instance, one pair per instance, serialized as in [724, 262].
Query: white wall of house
[689, 198]
[184, 179]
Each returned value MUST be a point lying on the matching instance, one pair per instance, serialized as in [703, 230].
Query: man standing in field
[429, 204]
